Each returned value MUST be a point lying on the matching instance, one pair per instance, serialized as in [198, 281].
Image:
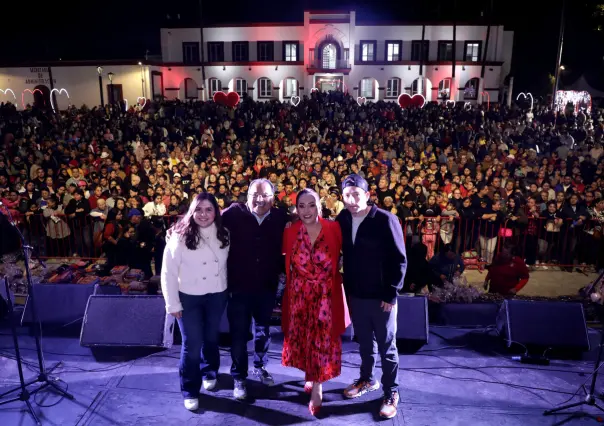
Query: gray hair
[261, 181]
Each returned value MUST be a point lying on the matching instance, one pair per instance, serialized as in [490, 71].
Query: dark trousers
[199, 327]
[531, 249]
[242, 307]
[375, 331]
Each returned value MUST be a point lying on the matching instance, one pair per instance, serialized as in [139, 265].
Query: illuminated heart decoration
[295, 100]
[138, 101]
[28, 90]
[467, 106]
[314, 89]
[450, 102]
[220, 98]
[126, 104]
[5, 91]
[59, 91]
[526, 95]
[486, 94]
[232, 99]
[406, 101]
[361, 100]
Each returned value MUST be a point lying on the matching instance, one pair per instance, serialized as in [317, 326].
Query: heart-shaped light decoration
[219, 98]
[126, 104]
[485, 94]
[232, 99]
[295, 100]
[406, 101]
[30, 91]
[450, 102]
[5, 91]
[59, 91]
[361, 100]
[467, 106]
[138, 101]
[526, 95]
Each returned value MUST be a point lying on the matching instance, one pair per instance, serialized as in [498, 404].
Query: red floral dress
[308, 343]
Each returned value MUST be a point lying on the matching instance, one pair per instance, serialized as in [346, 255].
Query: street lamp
[110, 76]
[100, 71]
[562, 68]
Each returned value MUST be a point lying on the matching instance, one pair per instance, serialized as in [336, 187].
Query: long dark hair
[191, 231]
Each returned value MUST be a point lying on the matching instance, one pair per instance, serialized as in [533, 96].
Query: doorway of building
[114, 93]
[41, 96]
[329, 83]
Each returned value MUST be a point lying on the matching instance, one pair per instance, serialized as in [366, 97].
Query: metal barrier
[563, 244]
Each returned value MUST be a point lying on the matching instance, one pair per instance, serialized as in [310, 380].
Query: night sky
[126, 29]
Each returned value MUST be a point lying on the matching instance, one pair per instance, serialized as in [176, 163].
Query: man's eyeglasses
[260, 196]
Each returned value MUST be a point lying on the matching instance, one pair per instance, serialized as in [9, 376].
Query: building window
[266, 51]
[368, 51]
[265, 88]
[393, 89]
[240, 86]
[445, 50]
[470, 91]
[472, 51]
[241, 51]
[367, 88]
[444, 89]
[329, 56]
[420, 50]
[190, 89]
[393, 50]
[291, 87]
[215, 86]
[190, 52]
[290, 51]
[216, 51]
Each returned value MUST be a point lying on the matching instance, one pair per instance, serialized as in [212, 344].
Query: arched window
[419, 86]
[393, 88]
[265, 88]
[190, 89]
[240, 86]
[290, 87]
[444, 89]
[366, 88]
[470, 90]
[215, 86]
[329, 56]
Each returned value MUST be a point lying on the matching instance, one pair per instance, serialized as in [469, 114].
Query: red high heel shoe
[308, 387]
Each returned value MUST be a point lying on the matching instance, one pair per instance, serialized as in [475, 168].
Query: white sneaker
[209, 384]
[192, 404]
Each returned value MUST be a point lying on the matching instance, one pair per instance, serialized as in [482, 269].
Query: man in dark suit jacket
[375, 263]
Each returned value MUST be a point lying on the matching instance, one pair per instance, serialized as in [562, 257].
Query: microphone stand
[44, 373]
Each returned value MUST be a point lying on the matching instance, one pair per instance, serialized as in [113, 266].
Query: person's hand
[288, 225]
[103, 217]
[177, 315]
[514, 218]
[386, 307]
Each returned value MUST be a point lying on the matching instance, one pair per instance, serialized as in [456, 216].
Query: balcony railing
[320, 65]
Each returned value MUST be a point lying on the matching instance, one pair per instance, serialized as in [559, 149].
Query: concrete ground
[549, 283]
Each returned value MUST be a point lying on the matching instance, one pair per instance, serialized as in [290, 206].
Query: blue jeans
[241, 308]
[199, 327]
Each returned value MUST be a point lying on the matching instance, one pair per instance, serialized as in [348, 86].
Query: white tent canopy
[581, 85]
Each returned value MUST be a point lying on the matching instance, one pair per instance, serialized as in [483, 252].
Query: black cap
[355, 180]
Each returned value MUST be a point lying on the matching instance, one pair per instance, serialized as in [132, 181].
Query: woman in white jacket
[194, 283]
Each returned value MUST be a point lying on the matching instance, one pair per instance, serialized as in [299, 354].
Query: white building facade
[327, 51]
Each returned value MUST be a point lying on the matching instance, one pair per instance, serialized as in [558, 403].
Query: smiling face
[260, 198]
[308, 208]
[204, 214]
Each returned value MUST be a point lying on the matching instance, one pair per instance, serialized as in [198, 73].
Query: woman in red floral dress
[314, 311]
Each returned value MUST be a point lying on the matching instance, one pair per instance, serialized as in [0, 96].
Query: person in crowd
[194, 285]
[375, 262]
[314, 310]
[254, 265]
[447, 264]
[508, 273]
[420, 273]
[143, 239]
[57, 230]
[78, 211]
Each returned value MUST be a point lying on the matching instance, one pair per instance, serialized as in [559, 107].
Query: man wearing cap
[375, 263]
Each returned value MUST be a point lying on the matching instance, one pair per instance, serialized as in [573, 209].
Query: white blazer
[195, 272]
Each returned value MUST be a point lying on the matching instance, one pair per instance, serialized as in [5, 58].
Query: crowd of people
[108, 182]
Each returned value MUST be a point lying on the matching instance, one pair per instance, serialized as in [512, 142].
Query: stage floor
[461, 377]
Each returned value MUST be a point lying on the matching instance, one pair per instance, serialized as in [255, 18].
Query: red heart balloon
[232, 99]
[220, 98]
[406, 101]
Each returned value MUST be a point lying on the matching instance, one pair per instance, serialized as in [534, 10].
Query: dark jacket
[255, 256]
[375, 265]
